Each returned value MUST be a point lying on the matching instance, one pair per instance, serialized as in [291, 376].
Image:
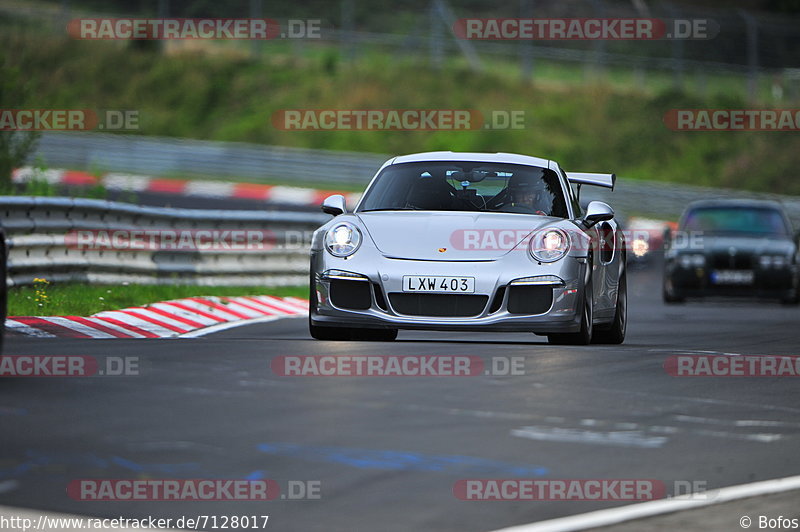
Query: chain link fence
[756, 51]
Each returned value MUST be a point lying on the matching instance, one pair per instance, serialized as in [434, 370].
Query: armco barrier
[38, 246]
[171, 157]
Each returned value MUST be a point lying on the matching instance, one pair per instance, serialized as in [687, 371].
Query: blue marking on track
[399, 460]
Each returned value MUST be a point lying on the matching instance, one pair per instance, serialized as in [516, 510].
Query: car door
[599, 268]
[607, 270]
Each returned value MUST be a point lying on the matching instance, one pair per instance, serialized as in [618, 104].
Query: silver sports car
[470, 241]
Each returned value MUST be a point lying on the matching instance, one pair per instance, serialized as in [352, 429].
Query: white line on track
[613, 516]
[624, 438]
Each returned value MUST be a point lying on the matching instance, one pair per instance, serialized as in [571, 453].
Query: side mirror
[666, 238]
[597, 211]
[334, 205]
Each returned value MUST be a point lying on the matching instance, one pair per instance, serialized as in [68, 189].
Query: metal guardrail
[165, 157]
[168, 156]
[37, 230]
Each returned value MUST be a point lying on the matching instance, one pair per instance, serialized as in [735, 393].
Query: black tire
[373, 335]
[793, 299]
[669, 296]
[328, 333]
[351, 334]
[615, 334]
[584, 335]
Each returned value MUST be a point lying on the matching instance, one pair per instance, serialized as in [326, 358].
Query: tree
[15, 146]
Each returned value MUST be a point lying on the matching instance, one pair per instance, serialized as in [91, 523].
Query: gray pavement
[387, 451]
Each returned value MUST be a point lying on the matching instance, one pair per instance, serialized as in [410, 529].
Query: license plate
[732, 277]
[427, 283]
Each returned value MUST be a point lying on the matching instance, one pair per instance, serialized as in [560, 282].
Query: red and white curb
[189, 317]
[183, 187]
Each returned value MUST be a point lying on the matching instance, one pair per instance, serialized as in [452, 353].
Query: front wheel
[584, 334]
[793, 298]
[374, 335]
[668, 294]
[616, 333]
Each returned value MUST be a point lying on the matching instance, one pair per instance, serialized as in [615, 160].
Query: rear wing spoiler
[597, 180]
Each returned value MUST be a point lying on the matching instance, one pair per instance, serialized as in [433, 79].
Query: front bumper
[556, 307]
[698, 282]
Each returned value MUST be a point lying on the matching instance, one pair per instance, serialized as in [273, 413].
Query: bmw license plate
[448, 285]
[737, 277]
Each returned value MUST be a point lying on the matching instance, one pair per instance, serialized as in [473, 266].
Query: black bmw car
[733, 248]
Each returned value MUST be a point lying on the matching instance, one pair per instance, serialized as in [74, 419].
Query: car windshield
[467, 186]
[750, 220]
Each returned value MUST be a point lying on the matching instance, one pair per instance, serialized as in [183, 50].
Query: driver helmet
[526, 190]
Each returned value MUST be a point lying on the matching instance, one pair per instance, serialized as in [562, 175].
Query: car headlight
[692, 261]
[774, 261]
[640, 247]
[343, 239]
[549, 245]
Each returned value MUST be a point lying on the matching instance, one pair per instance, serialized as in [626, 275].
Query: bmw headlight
[343, 239]
[774, 261]
[549, 245]
[688, 260]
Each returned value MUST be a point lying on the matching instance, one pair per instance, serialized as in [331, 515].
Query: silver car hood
[444, 236]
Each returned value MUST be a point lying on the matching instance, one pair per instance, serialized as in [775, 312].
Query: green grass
[73, 299]
[588, 123]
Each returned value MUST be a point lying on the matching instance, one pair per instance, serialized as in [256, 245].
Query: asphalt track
[387, 451]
